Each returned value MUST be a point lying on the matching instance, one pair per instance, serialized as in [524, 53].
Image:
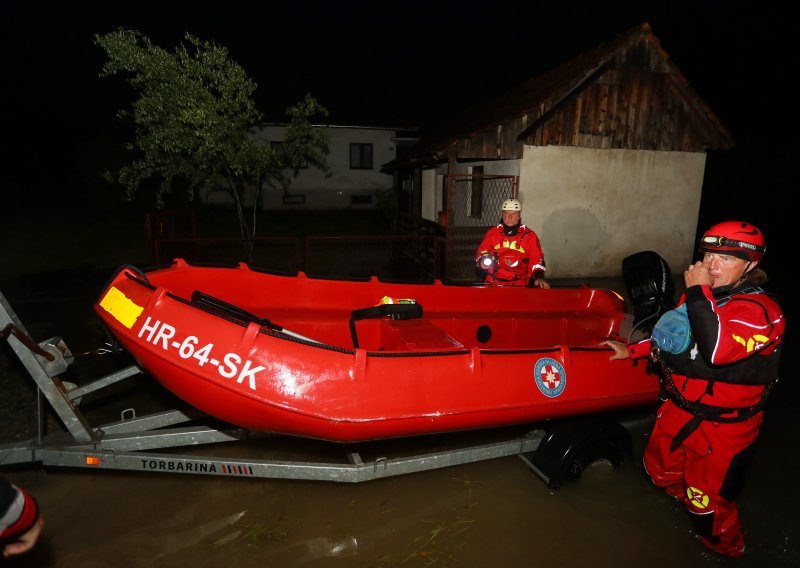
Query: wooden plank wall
[634, 104]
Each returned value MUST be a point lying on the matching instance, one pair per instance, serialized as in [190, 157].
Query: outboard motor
[650, 287]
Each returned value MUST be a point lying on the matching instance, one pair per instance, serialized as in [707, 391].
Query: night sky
[405, 64]
[409, 61]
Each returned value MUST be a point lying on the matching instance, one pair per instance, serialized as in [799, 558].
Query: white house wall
[592, 208]
[336, 191]
[431, 191]
[430, 205]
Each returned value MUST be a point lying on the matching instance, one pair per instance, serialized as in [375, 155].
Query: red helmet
[736, 238]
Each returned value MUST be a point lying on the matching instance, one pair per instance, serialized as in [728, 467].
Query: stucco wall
[430, 204]
[592, 208]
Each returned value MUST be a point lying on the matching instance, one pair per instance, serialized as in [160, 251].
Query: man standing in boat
[510, 253]
[717, 355]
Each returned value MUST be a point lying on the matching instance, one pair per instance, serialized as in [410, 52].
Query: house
[606, 153]
[355, 180]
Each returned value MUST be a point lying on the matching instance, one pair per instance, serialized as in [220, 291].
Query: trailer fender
[568, 447]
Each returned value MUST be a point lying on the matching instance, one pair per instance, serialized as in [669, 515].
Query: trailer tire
[602, 451]
[569, 447]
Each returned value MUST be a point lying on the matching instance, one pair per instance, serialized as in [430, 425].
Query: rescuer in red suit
[20, 521]
[510, 253]
[717, 354]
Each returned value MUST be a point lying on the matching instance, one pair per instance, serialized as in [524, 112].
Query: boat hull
[436, 373]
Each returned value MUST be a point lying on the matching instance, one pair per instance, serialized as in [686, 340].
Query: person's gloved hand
[538, 283]
[485, 262]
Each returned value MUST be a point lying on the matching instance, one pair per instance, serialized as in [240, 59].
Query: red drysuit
[705, 431]
[518, 258]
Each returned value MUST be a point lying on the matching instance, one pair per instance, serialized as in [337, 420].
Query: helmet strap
[751, 265]
[746, 274]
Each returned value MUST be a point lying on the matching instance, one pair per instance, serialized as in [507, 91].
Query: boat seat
[394, 311]
[416, 335]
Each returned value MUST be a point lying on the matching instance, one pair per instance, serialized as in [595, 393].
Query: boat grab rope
[107, 349]
[224, 309]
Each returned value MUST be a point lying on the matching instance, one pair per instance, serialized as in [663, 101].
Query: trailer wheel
[569, 447]
[601, 452]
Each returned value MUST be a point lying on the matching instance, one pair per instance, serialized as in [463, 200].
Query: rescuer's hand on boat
[620, 349]
[539, 283]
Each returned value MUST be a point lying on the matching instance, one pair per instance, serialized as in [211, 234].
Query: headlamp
[718, 242]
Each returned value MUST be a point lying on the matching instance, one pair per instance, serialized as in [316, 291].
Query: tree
[191, 120]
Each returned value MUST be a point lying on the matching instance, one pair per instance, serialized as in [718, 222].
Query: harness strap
[685, 431]
[708, 412]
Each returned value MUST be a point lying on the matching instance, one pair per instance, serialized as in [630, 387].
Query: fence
[414, 250]
[412, 258]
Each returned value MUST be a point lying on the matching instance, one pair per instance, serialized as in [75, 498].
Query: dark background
[400, 64]
[409, 62]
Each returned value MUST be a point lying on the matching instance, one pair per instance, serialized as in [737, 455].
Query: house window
[278, 147]
[360, 156]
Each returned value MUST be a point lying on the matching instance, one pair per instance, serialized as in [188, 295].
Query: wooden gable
[625, 93]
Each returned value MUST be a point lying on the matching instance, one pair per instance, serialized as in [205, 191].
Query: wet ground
[488, 513]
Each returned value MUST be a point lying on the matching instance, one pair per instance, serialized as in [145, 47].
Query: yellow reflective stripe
[121, 307]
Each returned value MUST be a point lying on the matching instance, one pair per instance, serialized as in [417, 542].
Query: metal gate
[473, 205]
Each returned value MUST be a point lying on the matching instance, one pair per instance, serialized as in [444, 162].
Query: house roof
[540, 95]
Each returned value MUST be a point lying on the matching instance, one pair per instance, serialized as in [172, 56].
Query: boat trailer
[138, 443]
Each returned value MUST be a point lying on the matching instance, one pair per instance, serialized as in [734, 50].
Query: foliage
[192, 117]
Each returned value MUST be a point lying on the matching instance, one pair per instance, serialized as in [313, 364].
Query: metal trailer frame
[128, 443]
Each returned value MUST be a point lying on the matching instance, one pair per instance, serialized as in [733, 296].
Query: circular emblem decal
[697, 497]
[551, 378]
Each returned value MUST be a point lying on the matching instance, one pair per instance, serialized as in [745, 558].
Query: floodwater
[488, 513]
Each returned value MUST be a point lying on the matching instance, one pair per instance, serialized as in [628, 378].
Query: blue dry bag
[672, 333]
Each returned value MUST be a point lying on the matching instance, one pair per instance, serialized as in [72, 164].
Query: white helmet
[511, 205]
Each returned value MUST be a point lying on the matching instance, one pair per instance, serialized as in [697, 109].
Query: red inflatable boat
[364, 360]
